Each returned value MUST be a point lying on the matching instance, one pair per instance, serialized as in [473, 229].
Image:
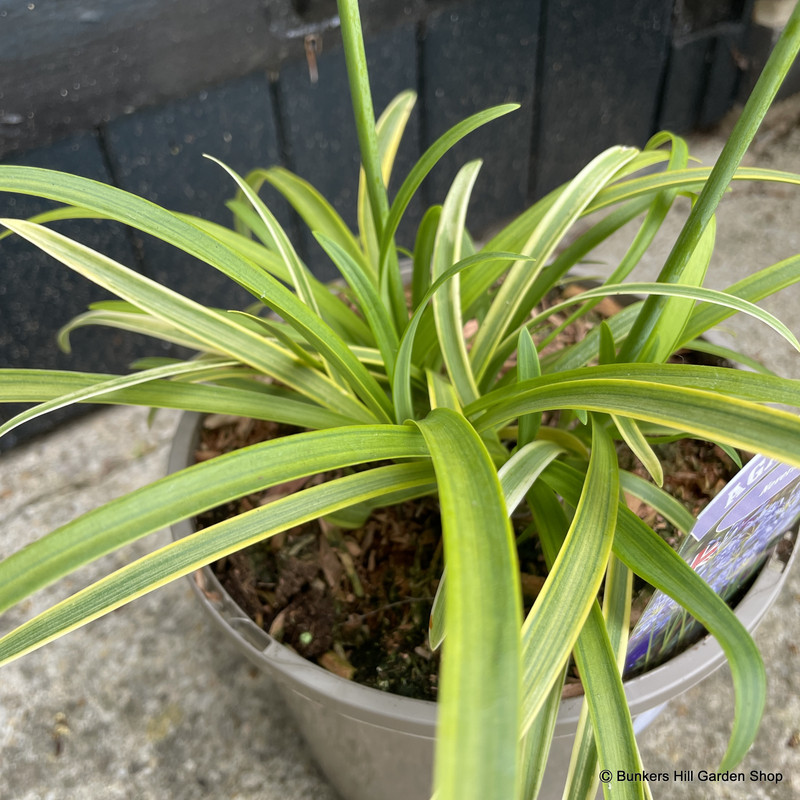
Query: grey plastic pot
[374, 745]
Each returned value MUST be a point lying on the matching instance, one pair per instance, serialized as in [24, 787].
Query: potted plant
[375, 373]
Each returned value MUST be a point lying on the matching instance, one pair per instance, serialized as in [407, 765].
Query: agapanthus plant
[378, 368]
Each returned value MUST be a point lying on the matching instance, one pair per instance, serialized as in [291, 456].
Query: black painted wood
[320, 131]
[159, 154]
[477, 55]
[602, 71]
[38, 295]
[685, 85]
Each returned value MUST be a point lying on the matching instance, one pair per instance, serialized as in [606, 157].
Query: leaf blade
[479, 695]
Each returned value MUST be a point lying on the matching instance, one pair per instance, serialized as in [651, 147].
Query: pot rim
[644, 692]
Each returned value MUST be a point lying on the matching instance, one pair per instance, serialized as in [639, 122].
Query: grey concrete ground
[147, 704]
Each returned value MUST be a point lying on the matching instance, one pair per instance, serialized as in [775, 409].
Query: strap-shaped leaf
[633, 437]
[401, 389]
[581, 353]
[134, 321]
[441, 393]
[537, 741]
[317, 213]
[509, 303]
[517, 476]
[447, 300]
[691, 179]
[298, 272]
[551, 524]
[657, 210]
[428, 161]
[210, 544]
[671, 290]
[555, 621]
[195, 369]
[755, 287]
[195, 489]
[150, 218]
[281, 333]
[649, 556]
[726, 354]
[336, 313]
[389, 129]
[582, 778]
[726, 381]
[479, 698]
[651, 324]
[369, 301]
[528, 367]
[218, 332]
[608, 708]
[32, 386]
[706, 414]
[654, 341]
[423, 253]
[665, 504]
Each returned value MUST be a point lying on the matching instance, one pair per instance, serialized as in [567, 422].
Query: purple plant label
[728, 543]
[757, 481]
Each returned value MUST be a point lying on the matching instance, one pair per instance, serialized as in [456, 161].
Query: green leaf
[581, 353]
[633, 437]
[281, 333]
[210, 544]
[423, 254]
[509, 306]
[30, 386]
[689, 239]
[195, 489]
[152, 219]
[218, 332]
[537, 741]
[192, 368]
[389, 129]
[672, 290]
[757, 286]
[665, 504]
[479, 697]
[134, 321]
[369, 301]
[401, 388]
[551, 524]
[658, 329]
[706, 414]
[317, 213]
[657, 210]
[649, 556]
[517, 475]
[690, 180]
[608, 708]
[527, 367]
[298, 272]
[582, 779]
[521, 471]
[446, 300]
[441, 393]
[723, 380]
[608, 349]
[428, 161]
[555, 621]
[727, 354]
[335, 312]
